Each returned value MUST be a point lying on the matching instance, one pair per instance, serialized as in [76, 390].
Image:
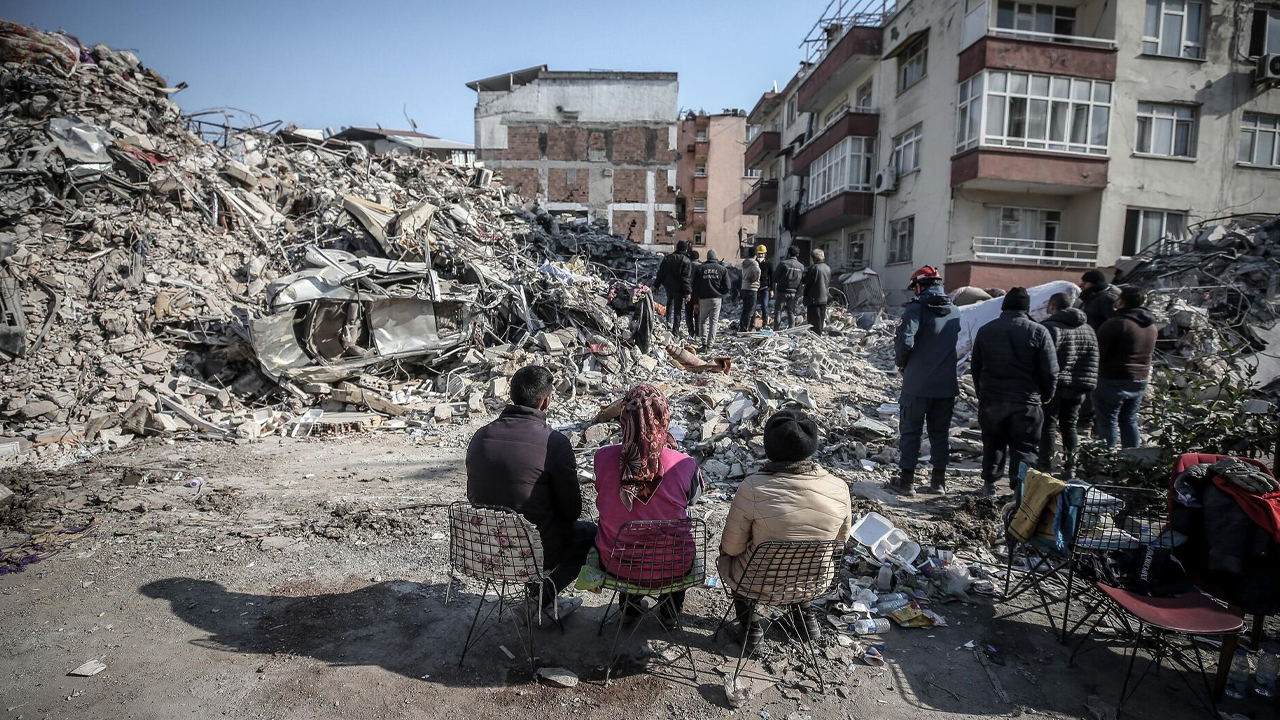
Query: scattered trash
[89, 669]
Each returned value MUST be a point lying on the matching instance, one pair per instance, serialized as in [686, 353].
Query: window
[906, 150]
[1265, 37]
[1017, 223]
[847, 167]
[769, 225]
[702, 136]
[1036, 18]
[753, 131]
[699, 205]
[1144, 228]
[862, 101]
[1041, 112]
[699, 239]
[1173, 28]
[855, 254]
[700, 170]
[912, 63]
[751, 172]
[1260, 140]
[1166, 130]
[902, 235]
[793, 110]
[834, 114]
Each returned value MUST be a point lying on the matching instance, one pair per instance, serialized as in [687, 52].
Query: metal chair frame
[654, 558]
[780, 575]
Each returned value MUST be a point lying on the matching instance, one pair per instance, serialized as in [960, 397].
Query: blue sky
[328, 63]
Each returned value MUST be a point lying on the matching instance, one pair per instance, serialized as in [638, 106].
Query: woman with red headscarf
[645, 478]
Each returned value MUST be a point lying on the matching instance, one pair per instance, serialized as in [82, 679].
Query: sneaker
[752, 636]
[988, 489]
[563, 606]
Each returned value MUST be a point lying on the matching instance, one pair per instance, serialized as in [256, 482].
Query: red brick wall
[523, 180]
[629, 144]
[568, 185]
[523, 143]
[660, 235]
[622, 224]
[662, 150]
[628, 186]
[566, 143]
[661, 194]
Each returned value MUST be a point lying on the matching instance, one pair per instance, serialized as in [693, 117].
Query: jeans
[708, 318]
[1062, 415]
[691, 317]
[817, 316]
[675, 308]
[1116, 403]
[745, 321]
[763, 298]
[916, 413]
[784, 303]
[571, 560]
[1010, 429]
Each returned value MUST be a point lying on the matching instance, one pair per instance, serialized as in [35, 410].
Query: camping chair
[654, 558]
[503, 551]
[779, 575]
[1046, 559]
[1123, 539]
[1231, 642]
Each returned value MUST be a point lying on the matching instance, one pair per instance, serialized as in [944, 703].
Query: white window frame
[1044, 219]
[699, 239]
[860, 239]
[1154, 44]
[793, 110]
[751, 172]
[906, 149]
[700, 170]
[1148, 215]
[753, 131]
[1271, 18]
[915, 55]
[701, 136]
[1068, 104]
[1176, 118]
[902, 239]
[834, 114]
[699, 205]
[863, 98]
[847, 167]
[1254, 126]
[1035, 11]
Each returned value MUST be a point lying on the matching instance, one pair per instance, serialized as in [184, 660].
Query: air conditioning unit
[1268, 69]
[886, 182]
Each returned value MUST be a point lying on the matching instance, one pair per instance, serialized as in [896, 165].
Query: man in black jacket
[518, 462]
[1077, 347]
[817, 291]
[1097, 298]
[675, 275]
[1015, 371]
[691, 307]
[786, 284]
[1126, 344]
[711, 284]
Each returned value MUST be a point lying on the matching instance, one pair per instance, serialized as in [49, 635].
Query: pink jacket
[669, 502]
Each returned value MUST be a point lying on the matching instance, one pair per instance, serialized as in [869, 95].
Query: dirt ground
[287, 586]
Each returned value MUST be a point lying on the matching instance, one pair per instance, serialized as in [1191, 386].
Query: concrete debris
[89, 669]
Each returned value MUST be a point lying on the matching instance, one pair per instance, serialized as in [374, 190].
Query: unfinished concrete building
[713, 177]
[599, 144]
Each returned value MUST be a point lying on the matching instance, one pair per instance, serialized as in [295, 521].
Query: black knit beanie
[1017, 299]
[790, 436]
[1094, 276]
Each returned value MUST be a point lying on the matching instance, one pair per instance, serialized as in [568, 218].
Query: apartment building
[599, 144]
[775, 128]
[1014, 142]
[713, 178]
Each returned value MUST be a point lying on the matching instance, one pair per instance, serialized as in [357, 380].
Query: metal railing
[1050, 37]
[1038, 252]
[838, 17]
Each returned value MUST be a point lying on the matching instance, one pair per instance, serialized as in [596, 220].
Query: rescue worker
[817, 291]
[786, 288]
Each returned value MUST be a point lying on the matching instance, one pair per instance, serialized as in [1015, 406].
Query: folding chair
[1046, 561]
[503, 551]
[653, 558]
[1120, 531]
[780, 575]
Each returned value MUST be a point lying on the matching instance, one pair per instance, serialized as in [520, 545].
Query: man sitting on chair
[519, 463]
[790, 499]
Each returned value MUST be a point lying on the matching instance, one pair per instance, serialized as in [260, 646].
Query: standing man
[1077, 349]
[787, 288]
[675, 275]
[924, 350]
[711, 284]
[817, 291]
[766, 282]
[1097, 298]
[1126, 343]
[1015, 372]
[518, 462]
[691, 307]
[750, 291]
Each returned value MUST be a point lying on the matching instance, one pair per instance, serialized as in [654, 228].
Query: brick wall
[661, 144]
[628, 186]
[629, 144]
[597, 146]
[523, 143]
[523, 180]
[661, 221]
[629, 224]
[566, 143]
[569, 185]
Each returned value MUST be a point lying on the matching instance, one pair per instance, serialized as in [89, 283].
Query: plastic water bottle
[1264, 680]
[890, 597]
[884, 580]
[878, 626]
[1238, 675]
[885, 608]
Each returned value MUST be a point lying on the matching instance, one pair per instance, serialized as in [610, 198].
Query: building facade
[598, 144]
[1012, 143]
[713, 178]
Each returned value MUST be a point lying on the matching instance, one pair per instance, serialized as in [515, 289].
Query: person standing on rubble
[787, 288]
[1097, 298]
[675, 275]
[751, 275]
[518, 462]
[1077, 348]
[766, 283]
[691, 307]
[1015, 373]
[1126, 344]
[817, 291]
[711, 283]
[924, 350]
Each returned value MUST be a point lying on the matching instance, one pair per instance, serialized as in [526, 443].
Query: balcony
[859, 123]
[700, 183]
[837, 212]
[762, 198]
[1014, 170]
[763, 148]
[1024, 251]
[853, 54]
[1026, 51]
[700, 150]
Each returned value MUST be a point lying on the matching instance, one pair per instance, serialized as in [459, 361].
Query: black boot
[906, 484]
[988, 488]
[939, 482]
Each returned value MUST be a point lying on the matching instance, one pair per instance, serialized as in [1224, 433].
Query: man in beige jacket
[791, 498]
